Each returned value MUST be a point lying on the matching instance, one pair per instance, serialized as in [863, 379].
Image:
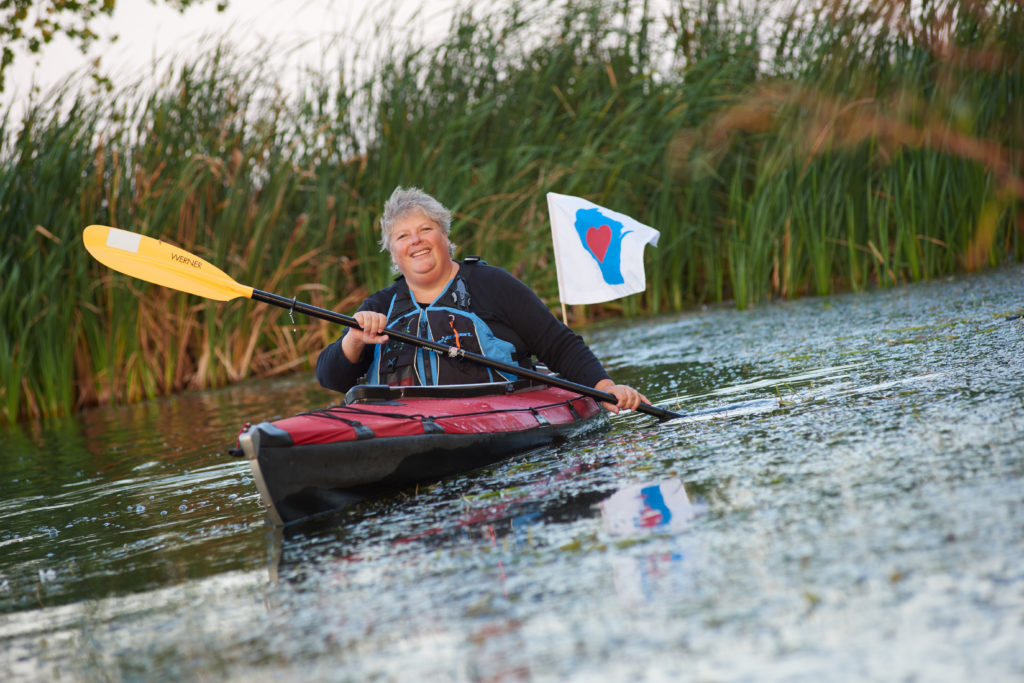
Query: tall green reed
[835, 147]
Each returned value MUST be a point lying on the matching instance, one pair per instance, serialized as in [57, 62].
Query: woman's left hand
[628, 397]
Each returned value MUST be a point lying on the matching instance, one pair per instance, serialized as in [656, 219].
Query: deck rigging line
[332, 413]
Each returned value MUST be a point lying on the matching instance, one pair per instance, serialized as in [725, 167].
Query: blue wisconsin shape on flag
[599, 253]
[601, 236]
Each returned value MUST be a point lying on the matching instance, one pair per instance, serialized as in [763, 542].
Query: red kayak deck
[405, 416]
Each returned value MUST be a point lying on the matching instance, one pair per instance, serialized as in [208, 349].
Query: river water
[845, 503]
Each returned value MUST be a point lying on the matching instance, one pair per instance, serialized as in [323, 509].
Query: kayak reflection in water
[467, 304]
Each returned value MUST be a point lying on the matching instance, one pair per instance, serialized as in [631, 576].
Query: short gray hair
[406, 200]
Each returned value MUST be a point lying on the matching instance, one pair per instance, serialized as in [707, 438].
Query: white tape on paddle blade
[124, 240]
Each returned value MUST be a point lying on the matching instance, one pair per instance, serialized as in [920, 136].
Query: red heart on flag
[598, 240]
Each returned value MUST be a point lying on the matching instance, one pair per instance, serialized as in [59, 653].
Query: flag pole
[558, 268]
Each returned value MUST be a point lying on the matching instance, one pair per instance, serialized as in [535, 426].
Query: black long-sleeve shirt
[512, 311]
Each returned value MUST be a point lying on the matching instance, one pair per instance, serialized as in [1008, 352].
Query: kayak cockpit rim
[363, 393]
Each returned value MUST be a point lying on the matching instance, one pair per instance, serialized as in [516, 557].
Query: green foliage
[825, 150]
[32, 25]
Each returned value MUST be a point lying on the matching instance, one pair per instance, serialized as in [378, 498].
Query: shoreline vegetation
[843, 147]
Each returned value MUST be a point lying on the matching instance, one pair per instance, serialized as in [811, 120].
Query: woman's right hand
[372, 332]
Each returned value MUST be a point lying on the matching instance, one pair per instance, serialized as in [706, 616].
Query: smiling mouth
[422, 252]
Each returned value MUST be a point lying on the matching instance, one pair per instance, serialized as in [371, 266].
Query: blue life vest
[446, 320]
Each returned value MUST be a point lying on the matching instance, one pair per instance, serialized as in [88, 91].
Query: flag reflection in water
[662, 511]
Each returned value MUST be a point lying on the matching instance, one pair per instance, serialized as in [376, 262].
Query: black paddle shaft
[453, 352]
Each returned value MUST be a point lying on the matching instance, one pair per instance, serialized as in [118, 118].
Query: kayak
[383, 439]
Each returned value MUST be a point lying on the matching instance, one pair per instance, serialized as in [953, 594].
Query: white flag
[599, 253]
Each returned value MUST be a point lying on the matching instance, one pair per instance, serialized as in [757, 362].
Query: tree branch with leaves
[32, 25]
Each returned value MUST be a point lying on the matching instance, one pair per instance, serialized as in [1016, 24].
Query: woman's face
[419, 248]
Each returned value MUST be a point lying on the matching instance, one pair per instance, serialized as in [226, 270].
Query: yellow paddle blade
[160, 263]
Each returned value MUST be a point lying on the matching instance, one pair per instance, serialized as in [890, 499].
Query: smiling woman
[415, 229]
[422, 252]
[467, 304]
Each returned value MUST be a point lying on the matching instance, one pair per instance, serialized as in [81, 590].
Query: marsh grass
[841, 147]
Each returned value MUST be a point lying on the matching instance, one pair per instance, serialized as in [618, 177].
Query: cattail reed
[841, 146]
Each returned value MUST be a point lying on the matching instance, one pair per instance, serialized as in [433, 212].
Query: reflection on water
[844, 501]
[647, 508]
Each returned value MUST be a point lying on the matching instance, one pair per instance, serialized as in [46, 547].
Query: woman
[467, 303]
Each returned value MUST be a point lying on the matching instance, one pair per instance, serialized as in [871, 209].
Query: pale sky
[150, 32]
